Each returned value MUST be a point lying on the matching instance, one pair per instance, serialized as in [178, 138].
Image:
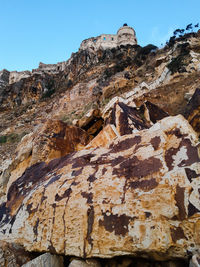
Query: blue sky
[48, 31]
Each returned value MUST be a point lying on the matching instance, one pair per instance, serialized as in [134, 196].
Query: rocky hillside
[100, 158]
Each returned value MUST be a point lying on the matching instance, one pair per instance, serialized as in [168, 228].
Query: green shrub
[12, 138]
[177, 64]
[3, 139]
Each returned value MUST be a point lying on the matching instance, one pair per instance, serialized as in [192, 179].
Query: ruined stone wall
[103, 41]
[15, 76]
[125, 35]
[49, 68]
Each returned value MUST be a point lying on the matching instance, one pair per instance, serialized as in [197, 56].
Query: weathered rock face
[4, 78]
[12, 255]
[56, 139]
[192, 111]
[108, 134]
[126, 119]
[137, 196]
[132, 189]
[52, 140]
[152, 112]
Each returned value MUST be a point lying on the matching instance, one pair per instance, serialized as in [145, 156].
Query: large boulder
[126, 119]
[51, 140]
[138, 196]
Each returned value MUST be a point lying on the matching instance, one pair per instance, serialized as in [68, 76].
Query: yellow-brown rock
[108, 134]
[126, 119]
[137, 196]
[52, 140]
[56, 139]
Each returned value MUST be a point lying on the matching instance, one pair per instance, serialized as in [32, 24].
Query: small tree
[178, 32]
[189, 27]
[181, 32]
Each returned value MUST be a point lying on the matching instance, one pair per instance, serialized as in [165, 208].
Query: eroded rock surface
[12, 255]
[51, 140]
[192, 111]
[137, 196]
[126, 119]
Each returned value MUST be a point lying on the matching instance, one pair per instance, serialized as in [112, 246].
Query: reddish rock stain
[90, 223]
[134, 167]
[180, 197]
[115, 223]
[177, 233]
[155, 141]
[88, 196]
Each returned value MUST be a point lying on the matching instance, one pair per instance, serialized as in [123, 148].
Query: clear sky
[48, 31]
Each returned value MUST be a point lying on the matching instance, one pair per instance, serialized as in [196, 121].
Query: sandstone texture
[53, 139]
[137, 196]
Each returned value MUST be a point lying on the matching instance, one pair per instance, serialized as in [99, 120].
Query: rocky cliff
[100, 155]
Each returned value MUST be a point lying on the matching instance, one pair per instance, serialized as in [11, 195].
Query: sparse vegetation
[74, 115]
[105, 101]
[11, 138]
[143, 52]
[3, 139]
[179, 33]
[178, 63]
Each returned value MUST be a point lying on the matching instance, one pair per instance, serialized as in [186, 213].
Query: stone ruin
[125, 35]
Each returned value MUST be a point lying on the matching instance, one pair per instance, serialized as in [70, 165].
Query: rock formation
[13, 255]
[137, 196]
[100, 157]
[52, 140]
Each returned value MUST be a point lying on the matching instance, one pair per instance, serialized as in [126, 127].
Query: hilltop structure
[125, 35]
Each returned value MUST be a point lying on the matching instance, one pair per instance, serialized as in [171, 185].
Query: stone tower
[126, 35]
